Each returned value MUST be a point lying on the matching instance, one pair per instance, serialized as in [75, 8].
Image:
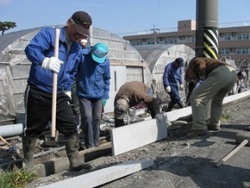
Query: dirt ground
[180, 162]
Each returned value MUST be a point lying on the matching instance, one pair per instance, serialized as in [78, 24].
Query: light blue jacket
[93, 79]
[41, 46]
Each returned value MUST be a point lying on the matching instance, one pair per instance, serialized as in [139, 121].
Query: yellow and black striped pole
[210, 42]
[207, 28]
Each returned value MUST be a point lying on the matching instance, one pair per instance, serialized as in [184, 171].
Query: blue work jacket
[93, 79]
[43, 45]
[172, 75]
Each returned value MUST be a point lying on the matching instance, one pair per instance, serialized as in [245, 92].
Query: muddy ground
[180, 162]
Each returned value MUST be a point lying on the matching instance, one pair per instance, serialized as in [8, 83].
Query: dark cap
[179, 61]
[82, 21]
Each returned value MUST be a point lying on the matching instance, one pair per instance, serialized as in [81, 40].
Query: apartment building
[234, 42]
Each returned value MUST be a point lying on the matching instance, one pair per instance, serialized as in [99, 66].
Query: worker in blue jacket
[92, 88]
[38, 96]
[173, 81]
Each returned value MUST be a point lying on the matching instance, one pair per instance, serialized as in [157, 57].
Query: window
[245, 36]
[239, 36]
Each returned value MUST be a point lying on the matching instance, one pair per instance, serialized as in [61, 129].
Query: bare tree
[4, 26]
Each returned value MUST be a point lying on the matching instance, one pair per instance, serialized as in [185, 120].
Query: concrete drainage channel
[57, 165]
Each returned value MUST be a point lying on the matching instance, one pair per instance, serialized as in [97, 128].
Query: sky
[121, 17]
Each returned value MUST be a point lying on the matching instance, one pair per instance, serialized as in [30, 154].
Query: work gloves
[52, 63]
[181, 87]
[168, 89]
[104, 101]
[68, 93]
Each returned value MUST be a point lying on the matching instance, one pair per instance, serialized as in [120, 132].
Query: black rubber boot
[119, 122]
[29, 144]
[170, 106]
[76, 163]
[153, 107]
[180, 104]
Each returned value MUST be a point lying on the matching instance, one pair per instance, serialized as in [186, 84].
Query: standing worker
[38, 95]
[131, 94]
[172, 81]
[215, 79]
[92, 87]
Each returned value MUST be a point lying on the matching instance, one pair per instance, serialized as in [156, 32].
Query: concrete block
[102, 176]
[135, 135]
[174, 115]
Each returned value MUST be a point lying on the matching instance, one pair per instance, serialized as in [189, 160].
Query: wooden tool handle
[230, 154]
[54, 94]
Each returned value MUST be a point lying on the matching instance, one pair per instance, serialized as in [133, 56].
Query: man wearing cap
[131, 94]
[92, 88]
[38, 96]
[172, 81]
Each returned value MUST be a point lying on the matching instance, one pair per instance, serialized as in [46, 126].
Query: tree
[4, 26]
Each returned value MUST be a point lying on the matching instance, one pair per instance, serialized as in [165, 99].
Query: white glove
[181, 87]
[52, 63]
[168, 89]
[68, 93]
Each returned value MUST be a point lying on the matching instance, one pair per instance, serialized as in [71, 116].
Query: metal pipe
[11, 130]
[207, 28]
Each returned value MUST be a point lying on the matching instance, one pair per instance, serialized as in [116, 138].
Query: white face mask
[83, 42]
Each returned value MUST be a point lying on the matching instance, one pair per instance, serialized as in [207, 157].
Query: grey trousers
[216, 86]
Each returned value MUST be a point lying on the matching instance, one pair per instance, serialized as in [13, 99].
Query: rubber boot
[170, 106]
[119, 122]
[76, 163]
[153, 107]
[180, 104]
[29, 144]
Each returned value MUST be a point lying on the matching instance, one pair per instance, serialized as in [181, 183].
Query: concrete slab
[102, 176]
[174, 115]
[139, 134]
[133, 136]
[56, 165]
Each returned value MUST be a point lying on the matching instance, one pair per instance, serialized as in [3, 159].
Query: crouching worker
[38, 95]
[131, 94]
[214, 80]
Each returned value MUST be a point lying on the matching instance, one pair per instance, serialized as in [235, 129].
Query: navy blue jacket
[172, 76]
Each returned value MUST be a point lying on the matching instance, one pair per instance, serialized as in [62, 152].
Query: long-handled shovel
[54, 94]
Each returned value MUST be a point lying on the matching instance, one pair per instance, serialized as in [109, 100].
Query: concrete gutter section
[57, 165]
[102, 176]
[135, 135]
[174, 115]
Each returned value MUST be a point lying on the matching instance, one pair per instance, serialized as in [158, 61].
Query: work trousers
[38, 106]
[91, 113]
[214, 88]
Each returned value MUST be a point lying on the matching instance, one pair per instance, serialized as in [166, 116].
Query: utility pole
[207, 28]
[155, 33]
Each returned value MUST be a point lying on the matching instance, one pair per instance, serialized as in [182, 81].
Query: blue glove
[104, 101]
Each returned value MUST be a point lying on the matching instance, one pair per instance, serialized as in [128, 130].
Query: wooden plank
[133, 136]
[102, 176]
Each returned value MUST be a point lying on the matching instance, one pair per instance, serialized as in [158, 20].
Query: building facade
[234, 42]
